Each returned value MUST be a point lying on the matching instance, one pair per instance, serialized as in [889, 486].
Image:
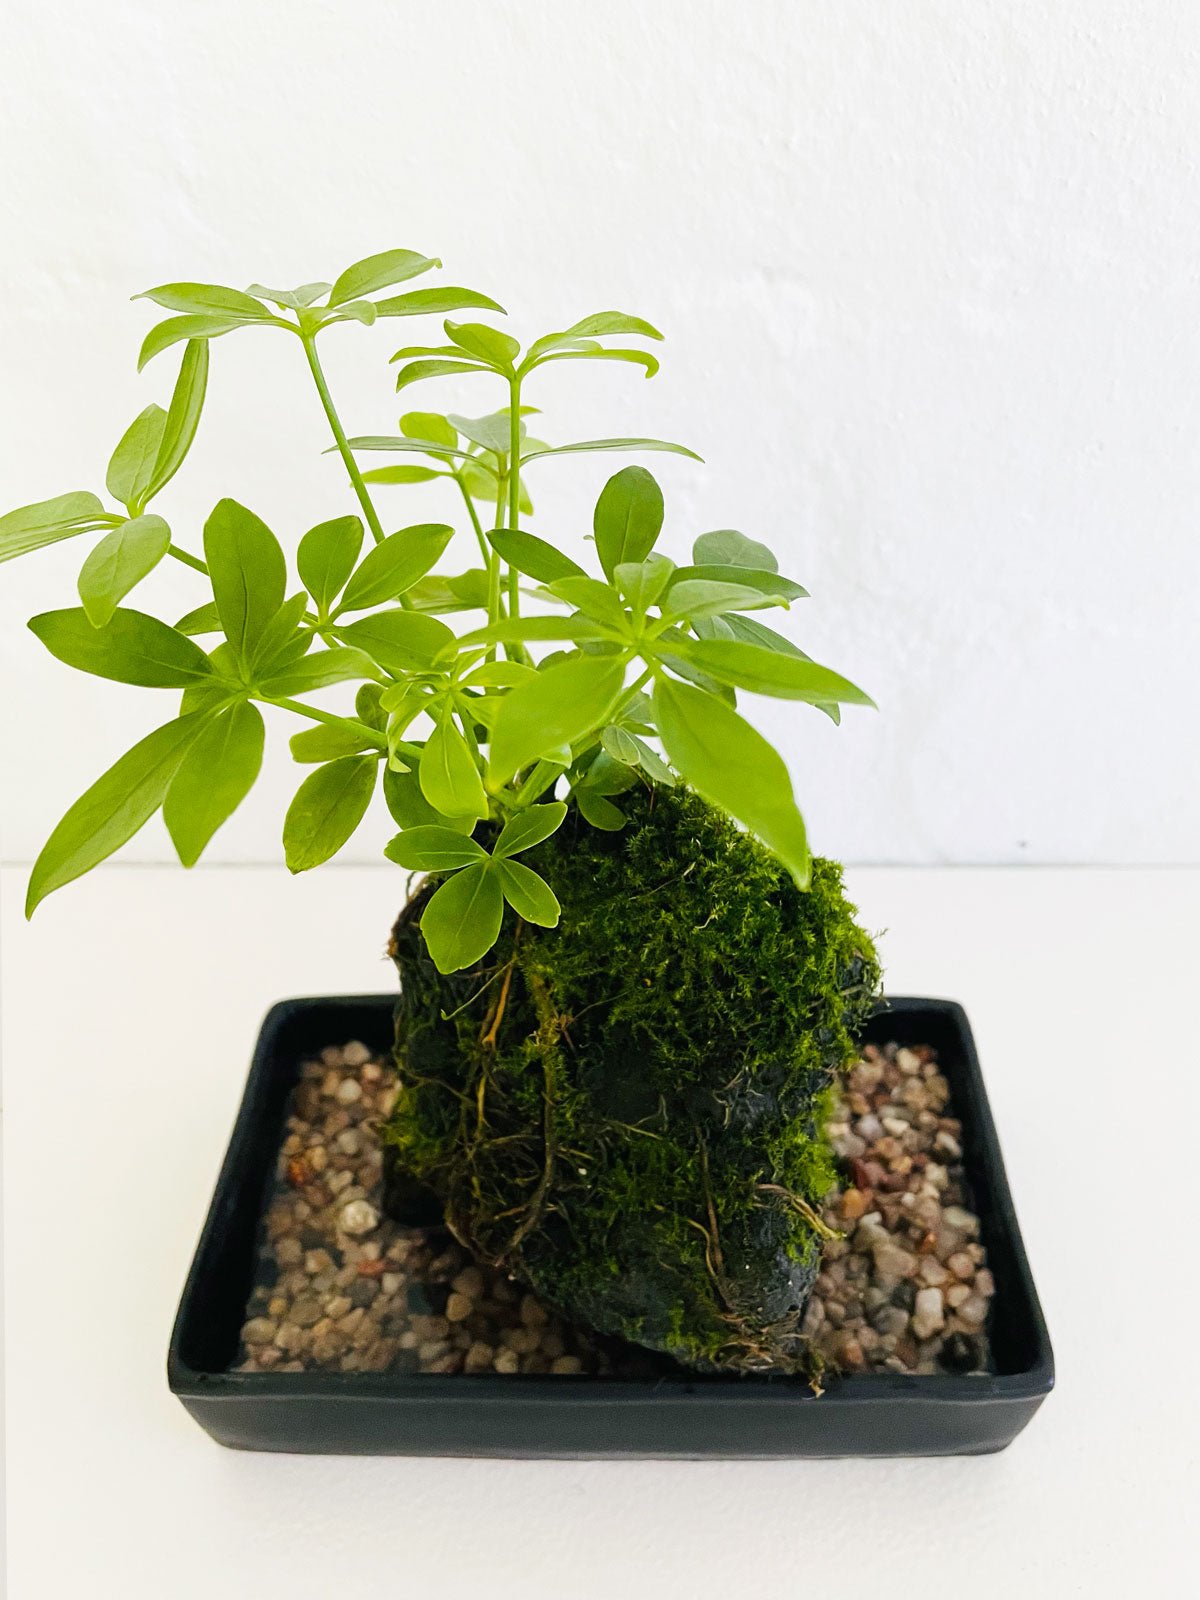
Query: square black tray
[492, 1414]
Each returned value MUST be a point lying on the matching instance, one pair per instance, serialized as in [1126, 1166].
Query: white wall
[930, 277]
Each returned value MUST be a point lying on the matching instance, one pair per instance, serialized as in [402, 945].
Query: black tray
[492, 1414]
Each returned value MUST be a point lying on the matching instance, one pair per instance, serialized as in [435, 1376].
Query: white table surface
[129, 1008]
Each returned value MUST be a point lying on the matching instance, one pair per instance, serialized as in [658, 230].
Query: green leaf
[598, 325]
[282, 643]
[418, 371]
[731, 765]
[726, 547]
[401, 641]
[421, 301]
[420, 447]
[497, 675]
[391, 568]
[533, 556]
[207, 299]
[529, 895]
[183, 415]
[409, 807]
[433, 849]
[535, 629]
[175, 329]
[320, 670]
[589, 446]
[291, 299]
[481, 484]
[203, 619]
[652, 764]
[429, 427]
[528, 828]
[328, 806]
[326, 558]
[758, 578]
[353, 311]
[763, 671]
[621, 746]
[402, 475]
[640, 358]
[462, 921]
[697, 597]
[498, 349]
[217, 773]
[642, 582]
[330, 740]
[601, 813]
[367, 706]
[113, 809]
[121, 560]
[490, 432]
[441, 591]
[379, 272]
[131, 468]
[628, 518]
[556, 707]
[448, 772]
[131, 648]
[47, 521]
[248, 573]
[593, 598]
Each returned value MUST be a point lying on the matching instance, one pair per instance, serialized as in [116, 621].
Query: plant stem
[315, 714]
[485, 549]
[339, 434]
[187, 558]
[514, 486]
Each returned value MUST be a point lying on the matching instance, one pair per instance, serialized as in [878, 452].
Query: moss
[628, 1110]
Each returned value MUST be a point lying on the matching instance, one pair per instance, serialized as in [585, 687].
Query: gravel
[904, 1287]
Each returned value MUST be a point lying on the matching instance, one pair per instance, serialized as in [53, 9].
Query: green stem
[339, 434]
[315, 714]
[514, 486]
[485, 548]
[187, 558]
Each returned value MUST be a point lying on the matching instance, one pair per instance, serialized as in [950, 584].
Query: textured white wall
[929, 273]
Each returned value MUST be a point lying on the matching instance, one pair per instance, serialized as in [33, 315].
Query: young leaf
[529, 895]
[326, 558]
[291, 299]
[601, 813]
[534, 629]
[320, 670]
[642, 582]
[204, 619]
[47, 521]
[368, 707]
[443, 592]
[401, 641]
[621, 746]
[448, 774]
[409, 807]
[529, 827]
[731, 765]
[726, 547]
[697, 597]
[402, 475]
[556, 707]
[419, 447]
[489, 433]
[593, 598]
[601, 324]
[330, 740]
[183, 415]
[419, 302]
[759, 578]
[749, 666]
[354, 311]
[429, 427]
[497, 675]
[417, 371]
[175, 329]
[207, 299]
[533, 556]
[498, 349]
[462, 921]
[113, 809]
[379, 272]
[391, 568]
[131, 648]
[327, 807]
[282, 643]
[214, 778]
[639, 358]
[131, 469]
[433, 849]
[248, 573]
[628, 518]
[589, 446]
[121, 560]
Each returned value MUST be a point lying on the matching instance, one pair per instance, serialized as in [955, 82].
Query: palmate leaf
[113, 809]
[47, 521]
[462, 921]
[291, 299]
[597, 326]
[429, 426]
[216, 774]
[327, 808]
[731, 765]
[119, 562]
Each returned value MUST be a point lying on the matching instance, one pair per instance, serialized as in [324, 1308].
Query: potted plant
[628, 991]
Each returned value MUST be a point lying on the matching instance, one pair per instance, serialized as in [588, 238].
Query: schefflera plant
[552, 692]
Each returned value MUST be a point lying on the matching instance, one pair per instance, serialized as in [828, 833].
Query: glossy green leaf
[409, 807]
[217, 773]
[131, 469]
[448, 772]
[183, 414]
[639, 358]
[528, 828]
[763, 671]
[175, 329]
[731, 765]
[758, 578]
[698, 597]
[726, 547]
[533, 556]
[204, 619]
[248, 573]
[326, 809]
[113, 809]
[282, 643]
[593, 598]
[433, 849]
[390, 569]
[131, 648]
[590, 446]
[529, 895]
[554, 708]
[448, 592]
[328, 741]
[418, 371]
[319, 670]
[326, 558]
[599, 325]
[206, 299]
[642, 582]
[47, 521]
[119, 562]
[379, 272]
[401, 641]
[628, 518]
[419, 302]
[462, 921]
[498, 349]
[598, 811]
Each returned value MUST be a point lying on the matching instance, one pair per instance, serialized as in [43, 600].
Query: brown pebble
[458, 1307]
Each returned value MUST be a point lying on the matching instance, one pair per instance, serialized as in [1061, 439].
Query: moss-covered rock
[627, 1110]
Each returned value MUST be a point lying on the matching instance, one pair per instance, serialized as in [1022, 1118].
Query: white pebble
[360, 1216]
[929, 1313]
[355, 1054]
[349, 1090]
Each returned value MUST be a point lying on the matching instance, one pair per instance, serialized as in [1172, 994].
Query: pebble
[929, 1313]
[358, 1217]
[349, 1091]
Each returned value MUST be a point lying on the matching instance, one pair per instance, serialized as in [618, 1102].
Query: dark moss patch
[628, 1110]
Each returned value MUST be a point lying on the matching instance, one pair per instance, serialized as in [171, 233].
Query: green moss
[628, 1110]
